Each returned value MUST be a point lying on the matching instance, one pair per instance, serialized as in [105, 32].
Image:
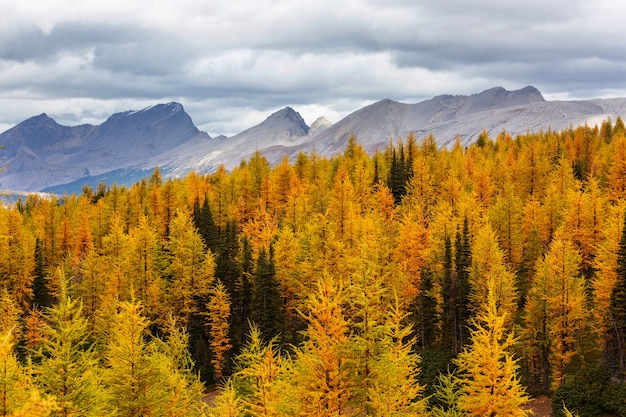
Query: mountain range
[42, 155]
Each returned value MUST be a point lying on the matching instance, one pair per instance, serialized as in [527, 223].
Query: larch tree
[217, 319]
[556, 310]
[129, 377]
[15, 383]
[342, 208]
[605, 266]
[617, 170]
[447, 393]
[490, 384]
[617, 303]
[289, 274]
[227, 403]
[321, 368]
[259, 377]
[180, 390]
[146, 259]
[17, 260]
[489, 272]
[583, 216]
[506, 219]
[191, 268]
[67, 367]
[394, 389]
[364, 310]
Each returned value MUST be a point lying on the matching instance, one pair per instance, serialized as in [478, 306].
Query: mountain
[447, 117]
[40, 154]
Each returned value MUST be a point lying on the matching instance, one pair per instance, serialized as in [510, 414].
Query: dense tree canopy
[323, 286]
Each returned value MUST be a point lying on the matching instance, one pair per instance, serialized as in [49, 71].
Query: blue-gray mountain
[43, 155]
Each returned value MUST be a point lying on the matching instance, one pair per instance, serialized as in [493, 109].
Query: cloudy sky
[233, 62]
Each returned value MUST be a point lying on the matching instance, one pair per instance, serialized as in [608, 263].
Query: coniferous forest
[415, 281]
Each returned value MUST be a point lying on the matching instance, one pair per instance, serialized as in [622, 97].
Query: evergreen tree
[397, 177]
[267, 307]
[426, 311]
[241, 299]
[41, 292]
[203, 220]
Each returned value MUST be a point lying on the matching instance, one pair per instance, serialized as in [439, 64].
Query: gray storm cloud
[231, 63]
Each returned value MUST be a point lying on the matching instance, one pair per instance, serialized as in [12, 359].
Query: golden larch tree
[490, 384]
[217, 319]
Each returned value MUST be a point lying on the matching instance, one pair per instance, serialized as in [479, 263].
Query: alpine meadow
[416, 280]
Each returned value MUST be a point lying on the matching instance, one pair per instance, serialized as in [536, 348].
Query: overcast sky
[232, 63]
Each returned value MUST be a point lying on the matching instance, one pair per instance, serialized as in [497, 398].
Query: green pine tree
[267, 307]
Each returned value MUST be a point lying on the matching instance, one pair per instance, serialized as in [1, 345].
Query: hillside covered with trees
[416, 281]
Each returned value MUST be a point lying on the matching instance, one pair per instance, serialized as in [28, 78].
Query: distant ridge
[41, 154]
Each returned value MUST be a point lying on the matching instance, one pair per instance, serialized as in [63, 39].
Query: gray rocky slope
[41, 154]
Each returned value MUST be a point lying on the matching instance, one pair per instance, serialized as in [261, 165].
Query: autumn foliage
[317, 287]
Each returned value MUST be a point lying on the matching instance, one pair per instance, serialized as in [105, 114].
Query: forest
[414, 281]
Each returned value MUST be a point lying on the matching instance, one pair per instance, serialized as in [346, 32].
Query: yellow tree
[144, 266]
[583, 215]
[15, 383]
[605, 265]
[532, 167]
[94, 284]
[190, 267]
[179, 390]
[489, 273]
[556, 312]
[321, 368]
[129, 377]
[67, 367]
[259, 377]
[17, 260]
[290, 276]
[394, 389]
[82, 236]
[490, 385]
[227, 403]
[617, 170]
[342, 209]
[559, 182]
[412, 245]
[506, 219]
[218, 317]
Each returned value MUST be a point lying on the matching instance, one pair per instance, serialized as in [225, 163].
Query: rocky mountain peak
[295, 124]
[320, 124]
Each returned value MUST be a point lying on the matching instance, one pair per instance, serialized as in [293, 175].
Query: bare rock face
[319, 125]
